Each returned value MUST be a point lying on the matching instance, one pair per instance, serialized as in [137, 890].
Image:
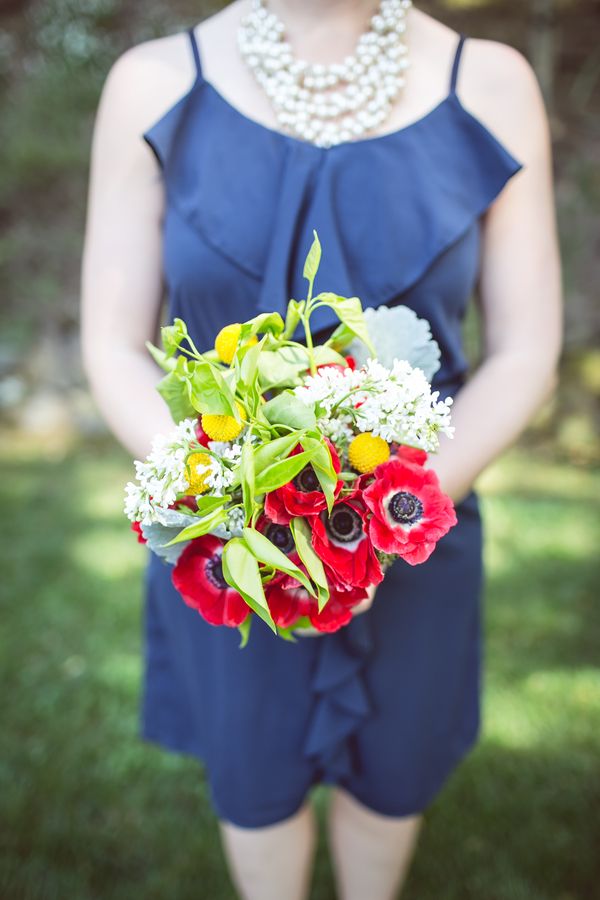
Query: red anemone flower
[342, 541]
[280, 535]
[410, 512]
[287, 603]
[302, 496]
[288, 600]
[338, 609]
[198, 576]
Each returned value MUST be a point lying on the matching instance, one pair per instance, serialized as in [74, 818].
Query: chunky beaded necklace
[328, 104]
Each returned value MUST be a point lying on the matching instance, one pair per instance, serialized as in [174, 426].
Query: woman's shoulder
[152, 75]
[498, 85]
[148, 77]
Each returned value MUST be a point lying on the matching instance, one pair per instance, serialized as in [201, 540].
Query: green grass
[90, 811]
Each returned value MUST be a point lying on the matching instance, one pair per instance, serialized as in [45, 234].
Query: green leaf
[159, 356]
[209, 391]
[245, 364]
[349, 311]
[293, 315]
[175, 389]
[287, 633]
[300, 623]
[323, 465]
[301, 534]
[287, 409]
[244, 630]
[265, 322]
[247, 478]
[173, 335]
[266, 454]
[311, 264]
[206, 503]
[281, 472]
[282, 367]
[241, 572]
[201, 527]
[246, 361]
[324, 354]
[340, 338]
[266, 552]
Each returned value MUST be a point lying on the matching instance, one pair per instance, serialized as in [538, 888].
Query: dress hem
[273, 817]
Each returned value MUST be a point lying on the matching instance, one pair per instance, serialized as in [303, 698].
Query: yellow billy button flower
[227, 340]
[367, 452]
[223, 428]
[197, 480]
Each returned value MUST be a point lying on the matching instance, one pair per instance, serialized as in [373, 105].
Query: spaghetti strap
[455, 64]
[196, 52]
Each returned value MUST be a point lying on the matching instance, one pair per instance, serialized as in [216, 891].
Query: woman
[199, 179]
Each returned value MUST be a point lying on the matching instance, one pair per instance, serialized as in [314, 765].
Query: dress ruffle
[427, 185]
[341, 699]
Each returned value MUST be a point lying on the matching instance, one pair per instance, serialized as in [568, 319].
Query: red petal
[411, 454]
[275, 509]
[137, 528]
[219, 606]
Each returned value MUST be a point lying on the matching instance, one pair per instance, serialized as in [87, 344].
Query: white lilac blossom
[216, 475]
[161, 476]
[224, 460]
[397, 333]
[394, 403]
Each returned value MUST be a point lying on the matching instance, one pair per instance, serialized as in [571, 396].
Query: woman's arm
[121, 284]
[519, 287]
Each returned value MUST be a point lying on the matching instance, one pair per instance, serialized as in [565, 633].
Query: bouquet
[295, 474]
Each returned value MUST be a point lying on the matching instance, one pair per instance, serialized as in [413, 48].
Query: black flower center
[214, 572]
[405, 508]
[344, 524]
[281, 536]
[307, 480]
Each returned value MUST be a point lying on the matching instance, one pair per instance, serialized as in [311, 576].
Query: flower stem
[309, 346]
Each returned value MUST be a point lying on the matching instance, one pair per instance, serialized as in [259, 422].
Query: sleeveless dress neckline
[289, 137]
[451, 99]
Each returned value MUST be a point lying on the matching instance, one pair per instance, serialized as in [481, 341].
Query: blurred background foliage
[89, 811]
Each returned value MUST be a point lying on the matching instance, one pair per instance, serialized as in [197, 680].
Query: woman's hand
[365, 604]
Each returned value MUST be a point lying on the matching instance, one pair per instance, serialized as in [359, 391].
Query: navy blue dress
[389, 705]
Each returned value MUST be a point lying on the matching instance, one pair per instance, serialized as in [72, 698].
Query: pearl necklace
[328, 104]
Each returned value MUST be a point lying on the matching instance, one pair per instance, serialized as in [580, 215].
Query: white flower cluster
[161, 476]
[221, 476]
[396, 404]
